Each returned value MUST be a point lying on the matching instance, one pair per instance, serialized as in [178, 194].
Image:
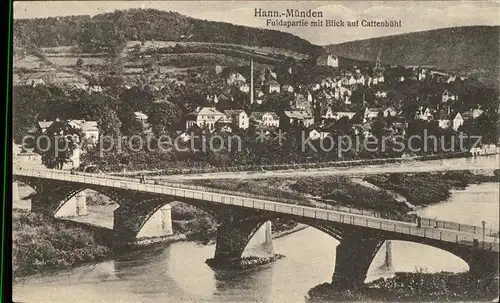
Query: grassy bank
[418, 189]
[425, 188]
[42, 243]
[414, 287]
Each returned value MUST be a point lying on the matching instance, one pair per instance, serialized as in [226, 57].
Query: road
[479, 163]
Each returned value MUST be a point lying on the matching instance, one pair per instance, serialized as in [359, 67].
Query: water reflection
[178, 273]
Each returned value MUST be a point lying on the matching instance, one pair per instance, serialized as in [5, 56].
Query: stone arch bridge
[239, 217]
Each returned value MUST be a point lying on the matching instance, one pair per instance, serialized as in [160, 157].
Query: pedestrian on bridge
[419, 222]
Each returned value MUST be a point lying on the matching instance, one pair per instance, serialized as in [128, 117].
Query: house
[352, 80]
[381, 94]
[425, 115]
[265, 119]
[35, 82]
[224, 124]
[299, 117]
[273, 87]
[206, 116]
[318, 134]
[340, 115]
[142, 118]
[88, 128]
[448, 96]
[476, 113]
[301, 102]
[95, 89]
[360, 79]
[451, 78]
[328, 60]
[238, 117]
[287, 88]
[458, 121]
[245, 88]
[29, 159]
[390, 112]
[371, 113]
[233, 78]
[444, 122]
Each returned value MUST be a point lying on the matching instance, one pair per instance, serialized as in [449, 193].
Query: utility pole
[251, 82]
[484, 224]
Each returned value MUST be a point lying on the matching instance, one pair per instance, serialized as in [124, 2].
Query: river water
[177, 273]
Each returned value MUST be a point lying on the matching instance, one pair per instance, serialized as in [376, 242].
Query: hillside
[467, 49]
[147, 25]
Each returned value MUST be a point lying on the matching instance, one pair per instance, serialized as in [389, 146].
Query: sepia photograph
[255, 151]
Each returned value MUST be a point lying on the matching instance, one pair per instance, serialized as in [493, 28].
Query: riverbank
[413, 287]
[40, 243]
[422, 189]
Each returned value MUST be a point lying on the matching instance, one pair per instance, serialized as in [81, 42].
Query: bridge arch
[413, 255]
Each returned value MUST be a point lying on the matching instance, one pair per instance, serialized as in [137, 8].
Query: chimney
[251, 82]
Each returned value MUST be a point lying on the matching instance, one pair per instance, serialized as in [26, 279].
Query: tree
[79, 63]
[57, 144]
[100, 108]
[164, 117]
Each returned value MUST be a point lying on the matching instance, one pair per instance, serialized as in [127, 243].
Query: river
[177, 273]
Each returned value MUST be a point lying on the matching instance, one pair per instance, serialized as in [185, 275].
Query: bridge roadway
[360, 220]
[488, 162]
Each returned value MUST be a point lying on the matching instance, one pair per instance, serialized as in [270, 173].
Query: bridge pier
[387, 268]
[261, 244]
[354, 255]
[483, 263]
[75, 206]
[236, 230]
[159, 224]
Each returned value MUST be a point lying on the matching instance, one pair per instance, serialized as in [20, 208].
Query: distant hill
[147, 25]
[467, 49]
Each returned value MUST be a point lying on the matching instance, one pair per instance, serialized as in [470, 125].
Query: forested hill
[146, 25]
[471, 49]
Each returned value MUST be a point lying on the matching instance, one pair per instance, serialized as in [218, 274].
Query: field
[254, 49]
[58, 64]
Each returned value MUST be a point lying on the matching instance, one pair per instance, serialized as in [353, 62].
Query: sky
[415, 15]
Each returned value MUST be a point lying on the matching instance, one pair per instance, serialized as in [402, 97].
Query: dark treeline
[145, 25]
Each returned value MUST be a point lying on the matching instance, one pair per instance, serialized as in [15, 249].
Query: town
[328, 96]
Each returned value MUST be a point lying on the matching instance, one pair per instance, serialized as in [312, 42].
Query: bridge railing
[489, 243]
[124, 182]
[425, 221]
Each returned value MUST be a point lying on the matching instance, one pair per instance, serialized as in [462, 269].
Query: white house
[339, 115]
[390, 112]
[245, 88]
[444, 123]
[371, 113]
[328, 60]
[88, 128]
[206, 116]
[265, 118]
[425, 115]
[315, 134]
[238, 117]
[234, 78]
[381, 94]
[142, 118]
[287, 88]
[448, 96]
[302, 117]
[35, 82]
[273, 87]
